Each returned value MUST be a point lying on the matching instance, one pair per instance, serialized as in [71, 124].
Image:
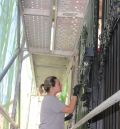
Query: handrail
[8, 65]
[6, 115]
[102, 107]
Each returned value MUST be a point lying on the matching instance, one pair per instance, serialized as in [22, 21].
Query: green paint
[64, 91]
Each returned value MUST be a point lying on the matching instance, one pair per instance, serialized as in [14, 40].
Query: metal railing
[9, 65]
[6, 115]
[102, 107]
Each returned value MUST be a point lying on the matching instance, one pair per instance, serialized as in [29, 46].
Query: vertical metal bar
[114, 77]
[111, 77]
[19, 65]
[119, 69]
[118, 55]
[103, 11]
[109, 85]
[117, 72]
[117, 82]
[17, 86]
[104, 118]
[91, 85]
[94, 93]
[21, 53]
[107, 88]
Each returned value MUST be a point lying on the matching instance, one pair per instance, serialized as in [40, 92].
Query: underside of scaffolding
[78, 41]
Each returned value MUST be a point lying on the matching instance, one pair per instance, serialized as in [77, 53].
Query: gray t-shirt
[51, 116]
